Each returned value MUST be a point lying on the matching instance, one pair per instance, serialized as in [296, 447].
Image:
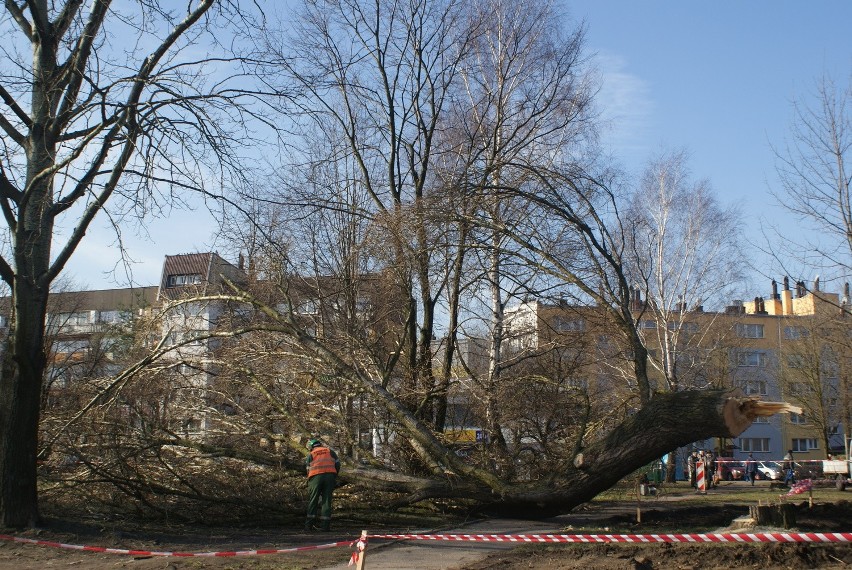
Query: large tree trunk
[24, 363]
[20, 400]
[668, 421]
[23, 357]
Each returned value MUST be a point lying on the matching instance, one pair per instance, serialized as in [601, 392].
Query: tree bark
[23, 359]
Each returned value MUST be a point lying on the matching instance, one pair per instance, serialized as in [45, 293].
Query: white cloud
[626, 107]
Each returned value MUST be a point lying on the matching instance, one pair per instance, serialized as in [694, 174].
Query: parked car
[808, 470]
[766, 470]
[729, 469]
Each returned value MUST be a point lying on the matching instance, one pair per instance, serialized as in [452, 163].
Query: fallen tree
[647, 435]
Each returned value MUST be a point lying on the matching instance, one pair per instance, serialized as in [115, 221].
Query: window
[362, 304]
[688, 326]
[561, 324]
[751, 358]
[307, 307]
[70, 346]
[745, 330]
[798, 419]
[795, 333]
[830, 370]
[755, 387]
[113, 316]
[760, 420]
[796, 361]
[804, 444]
[647, 324]
[800, 389]
[73, 319]
[754, 444]
[183, 280]
[108, 316]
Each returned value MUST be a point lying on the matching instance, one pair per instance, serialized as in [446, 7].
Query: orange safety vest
[321, 462]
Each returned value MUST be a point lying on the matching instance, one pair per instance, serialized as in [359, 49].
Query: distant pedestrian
[691, 460]
[323, 466]
[789, 468]
[710, 468]
[751, 469]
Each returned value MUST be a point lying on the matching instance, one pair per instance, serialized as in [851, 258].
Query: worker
[322, 466]
[691, 460]
[750, 469]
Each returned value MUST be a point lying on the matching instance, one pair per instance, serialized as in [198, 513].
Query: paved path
[447, 555]
[441, 555]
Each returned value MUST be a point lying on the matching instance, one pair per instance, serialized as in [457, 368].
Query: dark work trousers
[320, 488]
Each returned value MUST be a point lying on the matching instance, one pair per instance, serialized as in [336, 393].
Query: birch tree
[684, 253]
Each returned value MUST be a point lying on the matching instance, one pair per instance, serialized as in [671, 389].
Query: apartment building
[798, 351]
[90, 333]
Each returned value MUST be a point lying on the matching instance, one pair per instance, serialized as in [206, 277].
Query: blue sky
[717, 78]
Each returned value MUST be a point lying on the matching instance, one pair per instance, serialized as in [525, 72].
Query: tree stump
[782, 515]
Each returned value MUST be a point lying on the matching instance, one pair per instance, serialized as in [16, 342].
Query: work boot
[326, 527]
[309, 526]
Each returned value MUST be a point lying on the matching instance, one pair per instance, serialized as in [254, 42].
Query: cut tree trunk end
[782, 515]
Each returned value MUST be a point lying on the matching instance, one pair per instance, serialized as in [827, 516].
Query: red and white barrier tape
[223, 554]
[814, 537]
[698, 538]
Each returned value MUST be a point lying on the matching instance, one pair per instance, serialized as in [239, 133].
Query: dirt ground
[829, 517]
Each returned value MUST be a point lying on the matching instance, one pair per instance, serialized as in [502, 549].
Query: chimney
[241, 262]
[786, 298]
[775, 307]
[816, 283]
[735, 308]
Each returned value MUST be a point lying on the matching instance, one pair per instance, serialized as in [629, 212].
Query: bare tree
[814, 175]
[108, 105]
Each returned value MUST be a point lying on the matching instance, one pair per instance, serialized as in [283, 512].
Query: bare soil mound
[828, 517]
